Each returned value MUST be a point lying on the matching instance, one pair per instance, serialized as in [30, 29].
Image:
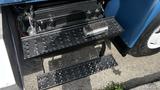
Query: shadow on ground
[82, 84]
[141, 81]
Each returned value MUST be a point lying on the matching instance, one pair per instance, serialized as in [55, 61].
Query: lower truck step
[81, 70]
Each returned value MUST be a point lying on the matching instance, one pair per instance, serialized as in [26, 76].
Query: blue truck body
[133, 15]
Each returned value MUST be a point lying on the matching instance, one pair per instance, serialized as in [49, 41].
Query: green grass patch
[114, 86]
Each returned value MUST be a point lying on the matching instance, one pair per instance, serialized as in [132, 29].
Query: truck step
[59, 39]
[81, 70]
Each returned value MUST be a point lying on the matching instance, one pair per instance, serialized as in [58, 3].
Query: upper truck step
[70, 37]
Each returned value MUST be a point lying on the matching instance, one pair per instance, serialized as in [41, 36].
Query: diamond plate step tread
[64, 75]
[51, 41]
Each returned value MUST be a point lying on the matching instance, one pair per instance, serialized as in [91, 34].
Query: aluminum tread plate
[64, 75]
[57, 40]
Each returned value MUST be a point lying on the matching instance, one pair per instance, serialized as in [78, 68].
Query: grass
[114, 86]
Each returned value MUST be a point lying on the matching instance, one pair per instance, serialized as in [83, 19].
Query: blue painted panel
[134, 16]
[8, 2]
[112, 8]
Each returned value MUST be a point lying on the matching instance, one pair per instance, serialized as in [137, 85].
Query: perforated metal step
[59, 39]
[61, 76]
